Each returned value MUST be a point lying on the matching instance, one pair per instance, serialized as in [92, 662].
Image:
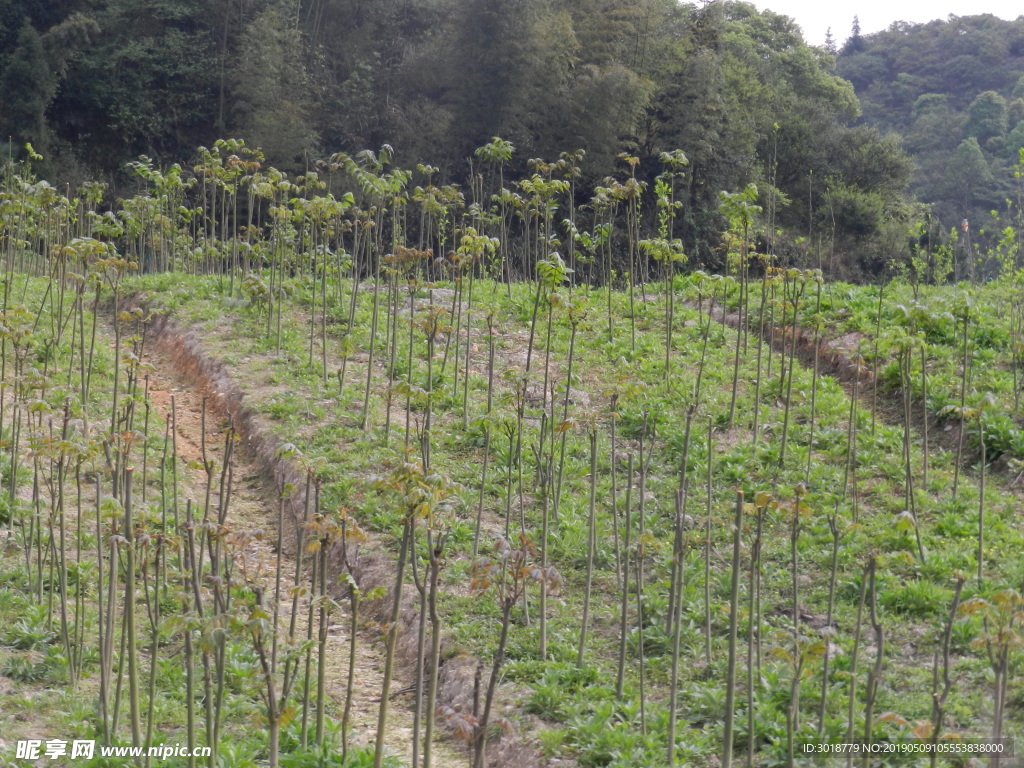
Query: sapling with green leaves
[438, 512]
[875, 673]
[487, 423]
[129, 610]
[818, 324]
[551, 273]
[674, 623]
[153, 553]
[261, 629]
[734, 599]
[875, 359]
[473, 249]
[707, 542]
[459, 265]
[987, 402]
[939, 699]
[857, 627]
[539, 202]
[382, 191]
[433, 325]
[741, 210]
[628, 194]
[665, 249]
[675, 633]
[644, 542]
[797, 281]
[576, 314]
[763, 502]
[110, 508]
[544, 482]
[1002, 616]
[621, 571]
[828, 631]
[675, 574]
[962, 310]
[420, 582]
[325, 532]
[352, 536]
[59, 459]
[624, 607]
[418, 495]
[715, 281]
[906, 344]
[797, 509]
[1016, 317]
[114, 270]
[495, 155]
[591, 545]
[768, 278]
[405, 264]
[568, 166]
[508, 573]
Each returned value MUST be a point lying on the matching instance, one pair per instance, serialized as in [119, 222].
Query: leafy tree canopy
[954, 91]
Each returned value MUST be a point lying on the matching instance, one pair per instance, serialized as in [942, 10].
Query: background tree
[968, 176]
[270, 90]
[737, 90]
[147, 86]
[986, 117]
[940, 83]
[26, 87]
[32, 75]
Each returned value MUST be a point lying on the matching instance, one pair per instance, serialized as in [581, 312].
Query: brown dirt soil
[253, 509]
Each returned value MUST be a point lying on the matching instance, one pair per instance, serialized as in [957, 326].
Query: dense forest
[93, 84]
[954, 90]
[861, 152]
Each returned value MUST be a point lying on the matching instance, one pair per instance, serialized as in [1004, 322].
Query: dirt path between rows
[838, 356]
[253, 508]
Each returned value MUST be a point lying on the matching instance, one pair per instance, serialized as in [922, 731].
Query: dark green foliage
[147, 86]
[968, 178]
[26, 88]
[952, 90]
[32, 73]
[270, 89]
[986, 117]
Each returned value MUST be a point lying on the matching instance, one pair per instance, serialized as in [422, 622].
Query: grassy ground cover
[851, 524]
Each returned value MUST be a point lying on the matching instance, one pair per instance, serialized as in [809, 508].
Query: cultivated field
[287, 484]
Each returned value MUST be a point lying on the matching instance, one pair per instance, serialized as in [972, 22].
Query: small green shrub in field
[235, 755]
[25, 667]
[918, 598]
[562, 682]
[30, 632]
[963, 633]
[12, 602]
